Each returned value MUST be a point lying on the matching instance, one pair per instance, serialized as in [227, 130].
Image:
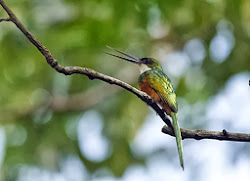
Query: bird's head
[144, 64]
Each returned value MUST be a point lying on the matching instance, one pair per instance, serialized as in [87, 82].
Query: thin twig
[4, 19]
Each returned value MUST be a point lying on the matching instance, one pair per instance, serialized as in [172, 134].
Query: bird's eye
[147, 60]
[151, 60]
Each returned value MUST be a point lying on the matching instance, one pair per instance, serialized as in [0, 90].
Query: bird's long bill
[130, 58]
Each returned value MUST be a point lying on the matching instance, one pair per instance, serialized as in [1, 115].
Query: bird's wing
[163, 87]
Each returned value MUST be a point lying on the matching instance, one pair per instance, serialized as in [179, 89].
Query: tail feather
[177, 133]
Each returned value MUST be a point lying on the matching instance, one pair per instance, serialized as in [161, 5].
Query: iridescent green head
[143, 63]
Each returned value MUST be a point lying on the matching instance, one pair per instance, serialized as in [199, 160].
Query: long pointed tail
[177, 133]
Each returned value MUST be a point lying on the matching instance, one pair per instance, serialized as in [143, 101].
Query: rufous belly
[151, 92]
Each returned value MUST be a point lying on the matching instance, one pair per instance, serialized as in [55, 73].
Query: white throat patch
[143, 68]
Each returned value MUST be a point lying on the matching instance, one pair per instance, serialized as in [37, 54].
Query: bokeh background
[70, 128]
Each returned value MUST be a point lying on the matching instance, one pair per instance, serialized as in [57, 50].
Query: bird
[158, 86]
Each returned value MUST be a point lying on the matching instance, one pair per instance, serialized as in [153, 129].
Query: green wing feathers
[178, 137]
[159, 81]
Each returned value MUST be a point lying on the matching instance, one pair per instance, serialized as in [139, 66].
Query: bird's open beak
[130, 58]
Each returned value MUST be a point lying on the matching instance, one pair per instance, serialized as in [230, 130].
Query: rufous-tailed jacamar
[156, 84]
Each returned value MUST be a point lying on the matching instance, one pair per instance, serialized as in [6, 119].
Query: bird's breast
[149, 89]
[145, 87]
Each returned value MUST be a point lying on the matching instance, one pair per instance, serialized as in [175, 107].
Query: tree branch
[69, 70]
[199, 134]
